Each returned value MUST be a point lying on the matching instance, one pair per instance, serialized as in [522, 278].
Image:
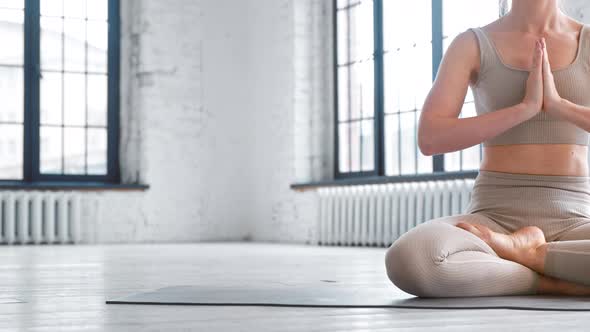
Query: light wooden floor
[64, 288]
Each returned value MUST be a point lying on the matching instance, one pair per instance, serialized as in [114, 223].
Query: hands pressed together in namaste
[541, 94]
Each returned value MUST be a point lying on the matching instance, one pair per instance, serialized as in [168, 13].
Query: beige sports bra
[500, 85]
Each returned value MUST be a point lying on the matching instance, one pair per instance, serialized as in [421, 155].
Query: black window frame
[379, 170]
[31, 121]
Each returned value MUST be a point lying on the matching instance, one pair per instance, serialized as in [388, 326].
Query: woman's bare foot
[526, 246]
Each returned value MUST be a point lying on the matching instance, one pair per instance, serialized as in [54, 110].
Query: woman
[527, 227]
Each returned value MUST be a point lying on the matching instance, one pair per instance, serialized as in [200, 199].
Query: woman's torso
[512, 55]
[548, 159]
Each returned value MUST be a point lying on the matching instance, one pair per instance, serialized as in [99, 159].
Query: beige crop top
[500, 85]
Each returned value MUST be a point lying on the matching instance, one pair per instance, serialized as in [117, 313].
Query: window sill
[84, 186]
[384, 179]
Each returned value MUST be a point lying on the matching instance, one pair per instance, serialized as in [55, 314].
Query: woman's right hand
[533, 99]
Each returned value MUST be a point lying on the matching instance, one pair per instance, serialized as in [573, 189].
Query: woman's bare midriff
[543, 159]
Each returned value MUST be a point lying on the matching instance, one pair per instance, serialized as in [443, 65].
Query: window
[59, 86]
[387, 55]
[356, 107]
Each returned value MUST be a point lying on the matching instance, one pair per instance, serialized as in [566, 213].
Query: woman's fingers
[538, 57]
[534, 86]
[546, 65]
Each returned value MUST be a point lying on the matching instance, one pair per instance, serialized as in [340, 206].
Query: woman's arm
[440, 130]
[574, 113]
[448, 134]
[557, 106]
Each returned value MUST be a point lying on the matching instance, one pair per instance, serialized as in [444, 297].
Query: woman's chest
[504, 88]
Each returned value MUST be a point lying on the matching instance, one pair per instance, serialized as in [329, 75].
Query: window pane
[408, 77]
[74, 45]
[11, 30]
[97, 10]
[74, 99]
[74, 151]
[51, 98]
[14, 4]
[343, 146]
[75, 8]
[406, 23]
[366, 89]
[11, 151]
[51, 150]
[422, 73]
[362, 98]
[52, 7]
[408, 143]
[368, 145]
[408, 91]
[343, 94]
[355, 147]
[11, 94]
[51, 43]
[407, 36]
[356, 92]
[343, 36]
[97, 34]
[97, 100]
[392, 145]
[392, 83]
[361, 31]
[97, 151]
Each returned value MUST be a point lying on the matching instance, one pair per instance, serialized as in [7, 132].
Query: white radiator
[376, 215]
[39, 217]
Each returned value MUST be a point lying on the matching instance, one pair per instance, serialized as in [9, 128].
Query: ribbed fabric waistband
[535, 177]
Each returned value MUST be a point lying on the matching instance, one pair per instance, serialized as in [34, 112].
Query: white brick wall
[182, 111]
[292, 95]
[222, 109]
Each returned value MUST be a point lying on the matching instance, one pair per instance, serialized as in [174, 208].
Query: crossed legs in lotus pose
[527, 246]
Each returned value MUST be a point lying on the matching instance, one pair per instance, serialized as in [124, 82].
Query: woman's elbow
[426, 144]
[427, 150]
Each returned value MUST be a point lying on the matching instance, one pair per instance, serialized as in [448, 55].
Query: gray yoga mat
[345, 297]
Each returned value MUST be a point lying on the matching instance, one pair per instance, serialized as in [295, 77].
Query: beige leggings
[437, 259]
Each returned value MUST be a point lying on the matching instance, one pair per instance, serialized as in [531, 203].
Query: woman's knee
[415, 260]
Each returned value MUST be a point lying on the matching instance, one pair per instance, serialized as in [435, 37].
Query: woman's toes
[468, 227]
[478, 230]
[484, 232]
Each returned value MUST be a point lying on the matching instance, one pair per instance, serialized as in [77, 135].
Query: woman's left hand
[552, 102]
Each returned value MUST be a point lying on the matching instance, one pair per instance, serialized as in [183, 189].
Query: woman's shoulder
[464, 54]
[494, 26]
